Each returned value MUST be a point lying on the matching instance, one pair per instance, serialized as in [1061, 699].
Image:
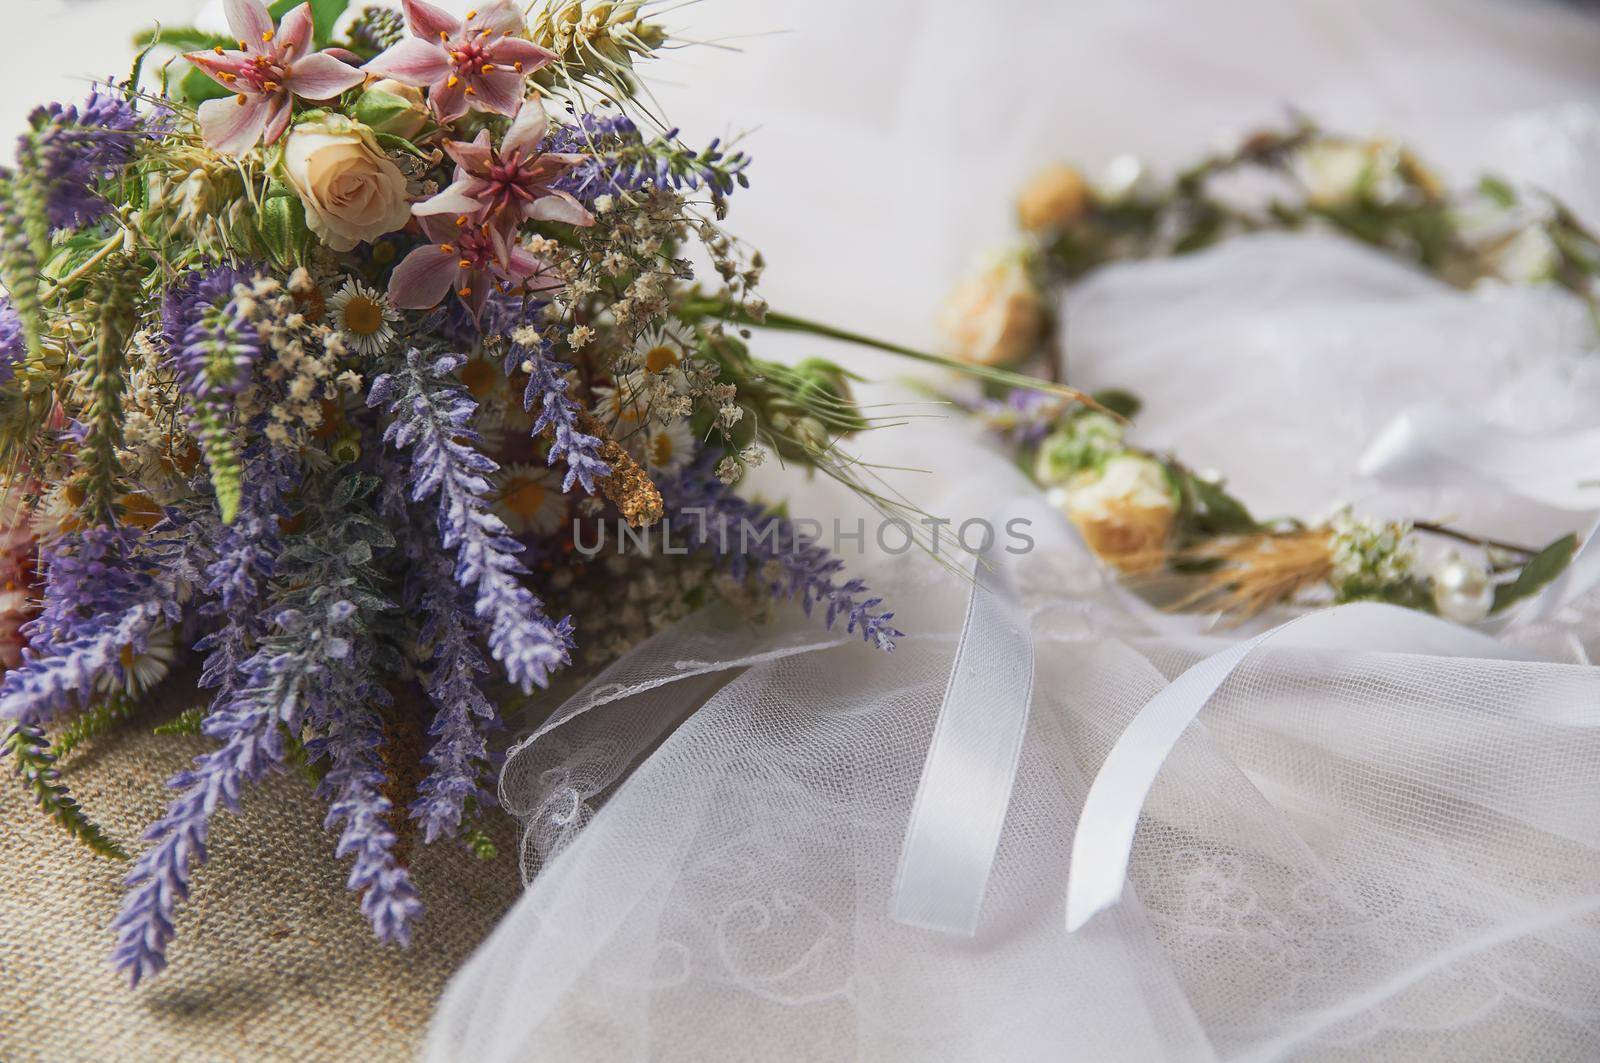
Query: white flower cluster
[1371, 553]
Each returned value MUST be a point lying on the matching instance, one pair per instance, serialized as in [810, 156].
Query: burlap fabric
[272, 960]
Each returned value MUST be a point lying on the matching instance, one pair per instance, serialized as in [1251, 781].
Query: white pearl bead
[1461, 590]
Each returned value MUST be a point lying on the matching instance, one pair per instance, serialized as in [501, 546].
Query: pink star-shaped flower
[512, 183]
[270, 68]
[476, 64]
[471, 259]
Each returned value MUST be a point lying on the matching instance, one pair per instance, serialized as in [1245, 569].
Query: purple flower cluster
[354, 790]
[432, 419]
[710, 515]
[620, 160]
[100, 602]
[212, 344]
[72, 148]
[241, 560]
[252, 744]
[246, 550]
[13, 345]
[47, 685]
[463, 715]
[558, 415]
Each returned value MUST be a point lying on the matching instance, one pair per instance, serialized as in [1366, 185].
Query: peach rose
[1053, 198]
[351, 190]
[996, 317]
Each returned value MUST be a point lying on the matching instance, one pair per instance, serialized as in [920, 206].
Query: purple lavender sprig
[101, 600]
[463, 715]
[432, 419]
[213, 345]
[45, 686]
[89, 575]
[558, 415]
[311, 668]
[620, 160]
[71, 149]
[711, 516]
[13, 345]
[354, 789]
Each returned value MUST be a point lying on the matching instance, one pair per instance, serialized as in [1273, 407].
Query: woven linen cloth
[273, 959]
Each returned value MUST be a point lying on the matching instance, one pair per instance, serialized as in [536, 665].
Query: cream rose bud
[1053, 198]
[996, 317]
[351, 190]
[1125, 511]
[388, 106]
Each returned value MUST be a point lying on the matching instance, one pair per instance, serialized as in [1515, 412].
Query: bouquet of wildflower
[322, 360]
[1180, 535]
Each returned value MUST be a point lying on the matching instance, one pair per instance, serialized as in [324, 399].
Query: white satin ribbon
[959, 811]
[966, 783]
[1424, 447]
[1103, 844]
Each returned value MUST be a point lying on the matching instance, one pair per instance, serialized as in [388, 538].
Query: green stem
[793, 323]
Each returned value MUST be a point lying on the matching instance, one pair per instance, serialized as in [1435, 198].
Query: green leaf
[1541, 568]
[1120, 402]
[391, 142]
[1497, 190]
[35, 764]
[186, 722]
[324, 13]
[195, 88]
[183, 38]
[1211, 510]
[93, 723]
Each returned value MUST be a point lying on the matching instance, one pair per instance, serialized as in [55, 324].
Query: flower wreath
[1176, 534]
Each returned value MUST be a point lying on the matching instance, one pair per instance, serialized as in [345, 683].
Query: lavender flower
[463, 715]
[247, 721]
[247, 549]
[710, 515]
[353, 785]
[214, 346]
[310, 668]
[558, 415]
[13, 346]
[101, 602]
[432, 418]
[48, 684]
[88, 576]
[620, 160]
[71, 149]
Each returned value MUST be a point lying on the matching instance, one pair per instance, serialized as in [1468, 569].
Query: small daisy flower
[364, 317]
[662, 349]
[143, 670]
[622, 406]
[668, 448]
[529, 499]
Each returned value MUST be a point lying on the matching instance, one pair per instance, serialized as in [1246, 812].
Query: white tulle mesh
[1350, 856]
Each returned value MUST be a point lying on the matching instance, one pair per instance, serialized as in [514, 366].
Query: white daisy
[622, 406]
[668, 448]
[143, 670]
[529, 499]
[364, 316]
[662, 349]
